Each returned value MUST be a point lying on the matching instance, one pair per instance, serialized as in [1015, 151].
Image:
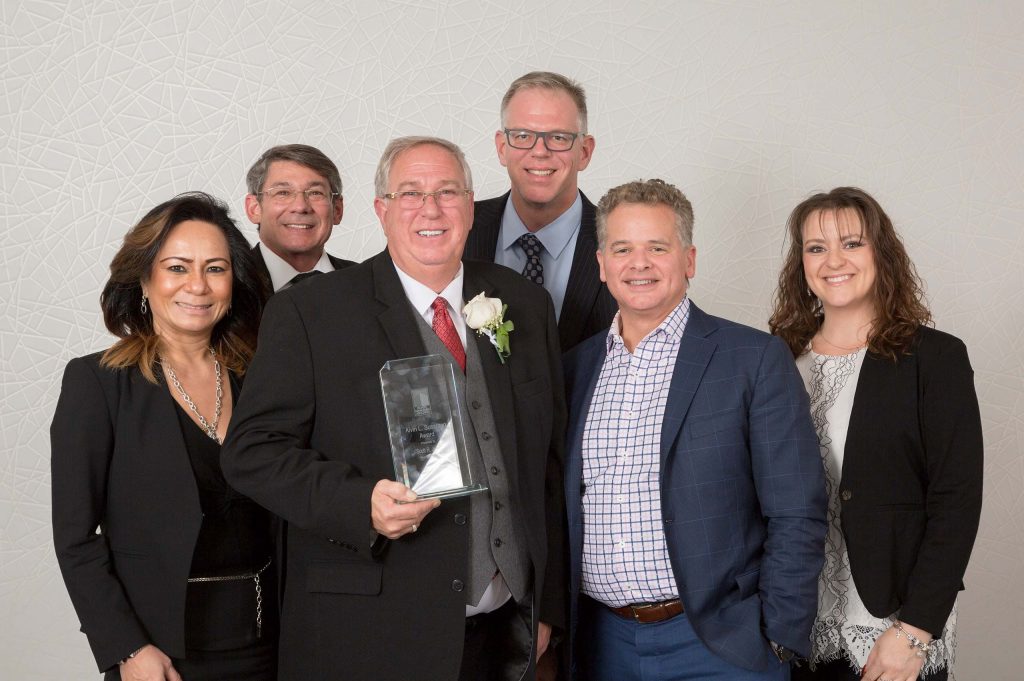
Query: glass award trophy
[428, 444]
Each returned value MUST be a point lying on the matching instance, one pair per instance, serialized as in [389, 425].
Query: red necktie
[445, 330]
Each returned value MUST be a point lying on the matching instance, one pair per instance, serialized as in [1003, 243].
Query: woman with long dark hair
[168, 568]
[897, 417]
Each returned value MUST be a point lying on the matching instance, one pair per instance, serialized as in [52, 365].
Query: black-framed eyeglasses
[415, 199]
[285, 195]
[555, 140]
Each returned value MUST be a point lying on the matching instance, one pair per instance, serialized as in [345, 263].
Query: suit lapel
[483, 238]
[589, 368]
[396, 316]
[497, 375]
[584, 281]
[695, 352]
[164, 448]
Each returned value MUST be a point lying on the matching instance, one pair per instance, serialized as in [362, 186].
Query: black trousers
[842, 670]
[478, 652]
[253, 663]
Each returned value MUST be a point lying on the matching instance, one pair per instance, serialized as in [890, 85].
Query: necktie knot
[445, 330]
[532, 248]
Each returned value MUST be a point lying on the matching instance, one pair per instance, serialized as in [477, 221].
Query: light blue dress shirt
[558, 239]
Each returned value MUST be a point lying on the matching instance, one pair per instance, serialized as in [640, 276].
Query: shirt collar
[672, 326]
[281, 272]
[554, 236]
[422, 296]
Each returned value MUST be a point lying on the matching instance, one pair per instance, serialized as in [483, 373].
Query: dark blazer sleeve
[81, 445]
[951, 429]
[267, 454]
[791, 492]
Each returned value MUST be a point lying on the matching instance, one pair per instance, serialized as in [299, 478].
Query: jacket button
[460, 518]
[497, 543]
[846, 495]
[476, 404]
[485, 435]
[494, 470]
[497, 505]
[457, 585]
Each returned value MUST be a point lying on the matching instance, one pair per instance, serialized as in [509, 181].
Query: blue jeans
[612, 648]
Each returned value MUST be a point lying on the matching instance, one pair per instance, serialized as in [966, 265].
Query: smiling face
[544, 183]
[426, 242]
[645, 264]
[189, 286]
[295, 230]
[839, 262]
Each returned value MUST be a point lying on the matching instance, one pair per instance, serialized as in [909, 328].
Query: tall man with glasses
[295, 201]
[380, 585]
[694, 488]
[544, 226]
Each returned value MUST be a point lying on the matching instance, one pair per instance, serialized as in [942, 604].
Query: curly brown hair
[234, 336]
[898, 292]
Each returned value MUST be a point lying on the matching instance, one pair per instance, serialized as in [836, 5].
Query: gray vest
[496, 542]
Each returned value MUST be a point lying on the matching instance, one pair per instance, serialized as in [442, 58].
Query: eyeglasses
[285, 195]
[553, 141]
[443, 197]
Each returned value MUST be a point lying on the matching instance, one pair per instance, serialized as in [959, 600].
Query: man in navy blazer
[694, 487]
[543, 143]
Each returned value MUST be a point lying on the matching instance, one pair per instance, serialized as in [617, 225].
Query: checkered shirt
[625, 557]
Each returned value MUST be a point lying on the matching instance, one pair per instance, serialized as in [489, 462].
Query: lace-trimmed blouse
[843, 627]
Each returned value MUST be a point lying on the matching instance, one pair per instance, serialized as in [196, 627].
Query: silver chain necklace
[210, 428]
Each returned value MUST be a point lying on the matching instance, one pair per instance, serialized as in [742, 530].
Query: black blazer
[588, 306]
[912, 479]
[118, 462]
[309, 441]
[261, 262]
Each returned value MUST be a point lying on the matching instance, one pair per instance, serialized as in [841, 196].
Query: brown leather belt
[648, 613]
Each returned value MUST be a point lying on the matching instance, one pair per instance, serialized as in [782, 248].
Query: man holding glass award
[405, 416]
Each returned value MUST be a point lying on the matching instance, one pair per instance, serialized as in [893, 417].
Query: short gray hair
[648, 192]
[400, 145]
[549, 81]
[304, 155]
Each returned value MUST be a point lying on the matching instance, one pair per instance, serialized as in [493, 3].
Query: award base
[449, 493]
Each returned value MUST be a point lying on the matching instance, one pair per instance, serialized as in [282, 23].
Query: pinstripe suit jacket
[588, 306]
[742, 487]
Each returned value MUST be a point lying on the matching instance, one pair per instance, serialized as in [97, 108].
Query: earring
[143, 307]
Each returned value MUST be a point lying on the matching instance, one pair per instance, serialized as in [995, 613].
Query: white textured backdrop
[108, 108]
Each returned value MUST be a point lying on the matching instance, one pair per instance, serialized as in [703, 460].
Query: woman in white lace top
[897, 417]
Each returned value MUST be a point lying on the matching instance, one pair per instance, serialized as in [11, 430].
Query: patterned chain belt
[255, 576]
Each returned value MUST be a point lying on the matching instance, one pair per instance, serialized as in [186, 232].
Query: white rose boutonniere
[486, 316]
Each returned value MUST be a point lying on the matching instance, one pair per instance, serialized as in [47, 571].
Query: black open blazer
[118, 462]
[912, 478]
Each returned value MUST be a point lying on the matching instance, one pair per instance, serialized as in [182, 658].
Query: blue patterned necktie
[532, 247]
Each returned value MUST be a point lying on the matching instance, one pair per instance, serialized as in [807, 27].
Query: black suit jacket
[338, 264]
[118, 462]
[588, 307]
[309, 441]
[912, 479]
